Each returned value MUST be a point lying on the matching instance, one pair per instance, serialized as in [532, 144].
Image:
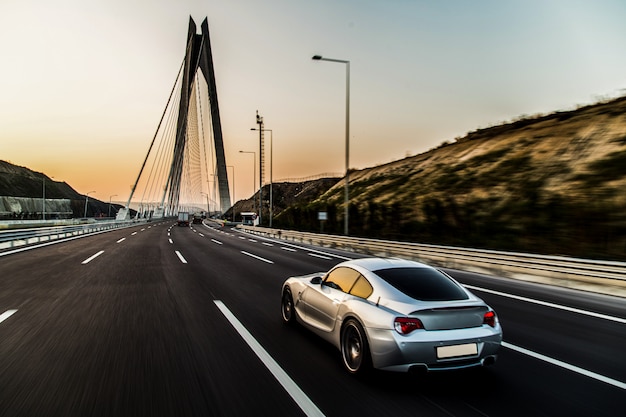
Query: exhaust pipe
[489, 360]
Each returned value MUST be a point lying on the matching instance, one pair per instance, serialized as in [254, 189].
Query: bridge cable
[154, 137]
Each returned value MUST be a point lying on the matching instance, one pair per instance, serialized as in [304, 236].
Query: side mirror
[316, 280]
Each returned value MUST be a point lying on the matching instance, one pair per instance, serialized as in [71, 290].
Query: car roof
[370, 266]
[375, 264]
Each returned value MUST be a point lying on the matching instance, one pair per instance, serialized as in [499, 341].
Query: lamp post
[346, 187]
[213, 192]
[234, 197]
[110, 197]
[253, 174]
[43, 200]
[208, 206]
[271, 163]
[87, 199]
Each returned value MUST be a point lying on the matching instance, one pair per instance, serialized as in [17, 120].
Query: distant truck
[183, 218]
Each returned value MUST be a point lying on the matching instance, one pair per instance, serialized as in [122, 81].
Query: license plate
[454, 351]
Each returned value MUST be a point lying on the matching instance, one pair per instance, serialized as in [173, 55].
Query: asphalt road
[159, 320]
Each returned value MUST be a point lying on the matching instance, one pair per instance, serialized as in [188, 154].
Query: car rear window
[422, 284]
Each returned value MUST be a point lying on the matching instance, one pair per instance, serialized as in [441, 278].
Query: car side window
[341, 279]
[362, 288]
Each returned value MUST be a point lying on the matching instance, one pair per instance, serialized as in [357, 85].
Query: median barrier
[21, 237]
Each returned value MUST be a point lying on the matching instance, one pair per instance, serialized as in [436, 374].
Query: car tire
[287, 308]
[355, 351]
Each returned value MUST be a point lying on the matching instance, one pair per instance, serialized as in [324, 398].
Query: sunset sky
[83, 83]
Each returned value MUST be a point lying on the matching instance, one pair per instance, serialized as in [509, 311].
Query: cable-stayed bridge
[185, 166]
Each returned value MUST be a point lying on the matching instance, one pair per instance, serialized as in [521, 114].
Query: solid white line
[91, 258]
[183, 260]
[121, 240]
[304, 402]
[6, 315]
[293, 248]
[319, 256]
[257, 257]
[565, 365]
[217, 241]
[171, 241]
[544, 303]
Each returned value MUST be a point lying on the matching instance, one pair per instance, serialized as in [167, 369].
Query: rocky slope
[548, 184]
[22, 190]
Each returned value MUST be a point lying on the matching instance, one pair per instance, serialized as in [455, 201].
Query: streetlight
[234, 197]
[110, 197]
[43, 200]
[213, 193]
[253, 174]
[346, 187]
[271, 163]
[86, 199]
[208, 206]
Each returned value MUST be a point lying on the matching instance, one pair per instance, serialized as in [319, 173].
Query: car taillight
[405, 325]
[490, 318]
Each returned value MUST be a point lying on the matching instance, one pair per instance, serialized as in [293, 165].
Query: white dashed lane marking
[6, 315]
[257, 257]
[180, 256]
[91, 258]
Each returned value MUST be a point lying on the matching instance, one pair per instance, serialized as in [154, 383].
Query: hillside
[25, 188]
[285, 195]
[549, 184]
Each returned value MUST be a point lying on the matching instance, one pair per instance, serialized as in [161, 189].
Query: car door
[323, 301]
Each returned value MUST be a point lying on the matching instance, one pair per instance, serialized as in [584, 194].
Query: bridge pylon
[198, 55]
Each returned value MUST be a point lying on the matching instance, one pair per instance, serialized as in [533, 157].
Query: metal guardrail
[21, 237]
[608, 277]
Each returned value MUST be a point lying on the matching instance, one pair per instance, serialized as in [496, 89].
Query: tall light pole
[346, 187]
[253, 174]
[86, 199]
[43, 200]
[259, 121]
[271, 163]
[110, 197]
[234, 197]
[213, 192]
[208, 206]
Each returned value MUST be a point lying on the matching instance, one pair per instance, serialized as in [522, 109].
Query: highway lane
[588, 342]
[136, 331]
[115, 339]
[583, 336]
[530, 318]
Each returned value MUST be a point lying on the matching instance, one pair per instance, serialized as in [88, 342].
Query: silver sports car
[395, 315]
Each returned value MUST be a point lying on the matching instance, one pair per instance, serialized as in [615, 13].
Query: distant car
[395, 315]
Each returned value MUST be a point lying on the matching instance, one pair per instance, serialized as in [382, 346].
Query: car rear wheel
[354, 348]
[286, 306]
